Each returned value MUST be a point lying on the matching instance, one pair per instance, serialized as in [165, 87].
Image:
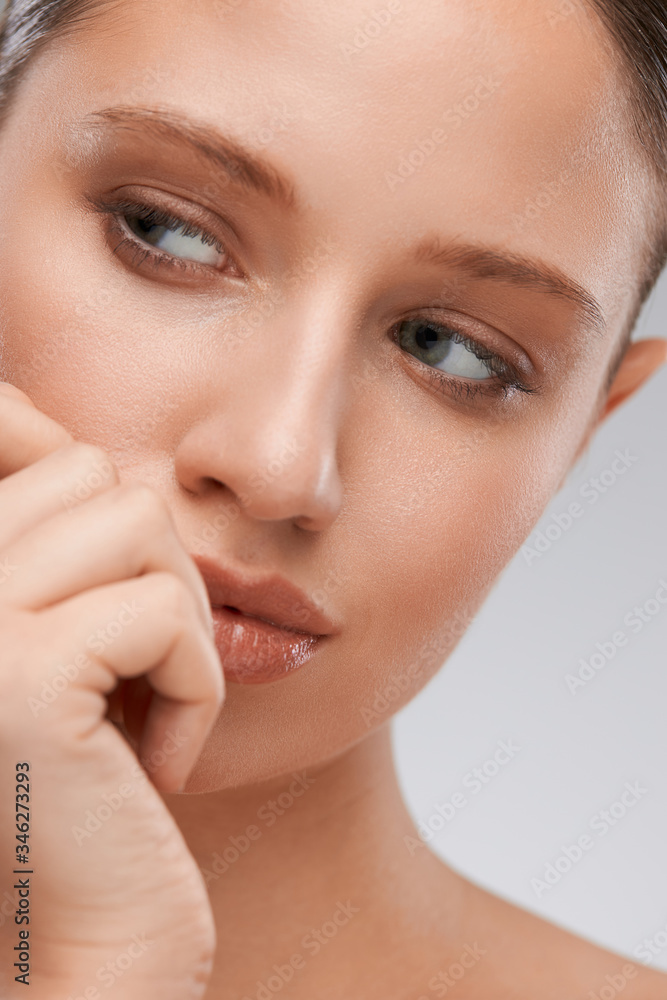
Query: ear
[642, 359]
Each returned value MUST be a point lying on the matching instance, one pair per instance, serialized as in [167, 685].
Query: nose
[266, 422]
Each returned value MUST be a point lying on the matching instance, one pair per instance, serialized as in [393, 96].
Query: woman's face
[288, 381]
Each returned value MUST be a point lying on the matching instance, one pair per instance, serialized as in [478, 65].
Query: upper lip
[271, 598]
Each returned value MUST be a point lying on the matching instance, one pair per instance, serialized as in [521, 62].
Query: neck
[293, 865]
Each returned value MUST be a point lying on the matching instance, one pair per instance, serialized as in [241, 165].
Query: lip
[274, 630]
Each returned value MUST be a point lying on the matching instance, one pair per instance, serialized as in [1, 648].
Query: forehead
[494, 118]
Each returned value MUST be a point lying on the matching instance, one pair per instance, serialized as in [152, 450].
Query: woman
[290, 374]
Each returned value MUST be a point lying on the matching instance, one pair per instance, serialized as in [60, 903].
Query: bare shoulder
[524, 957]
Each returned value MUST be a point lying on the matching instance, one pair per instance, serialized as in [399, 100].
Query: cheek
[73, 336]
[55, 303]
[440, 539]
[433, 512]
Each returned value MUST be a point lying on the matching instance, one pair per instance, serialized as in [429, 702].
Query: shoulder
[533, 959]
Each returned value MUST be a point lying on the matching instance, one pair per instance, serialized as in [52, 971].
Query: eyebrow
[254, 172]
[481, 262]
[206, 142]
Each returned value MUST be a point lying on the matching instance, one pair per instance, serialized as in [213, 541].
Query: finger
[26, 434]
[13, 390]
[117, 535]
[142, 628]
[58, 482]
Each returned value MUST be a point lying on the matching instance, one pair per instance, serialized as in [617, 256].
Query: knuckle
[91, 458]
[147, 507]
[174, 596]
[20, 652]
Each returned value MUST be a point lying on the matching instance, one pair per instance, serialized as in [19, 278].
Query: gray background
[506, 681]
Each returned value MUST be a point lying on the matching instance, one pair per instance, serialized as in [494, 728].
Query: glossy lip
[270, 598]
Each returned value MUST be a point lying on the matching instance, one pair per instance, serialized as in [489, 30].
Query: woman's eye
[183, 241]
[444, 349]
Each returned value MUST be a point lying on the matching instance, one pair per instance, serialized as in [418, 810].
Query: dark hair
[637, 28]
[27, 26]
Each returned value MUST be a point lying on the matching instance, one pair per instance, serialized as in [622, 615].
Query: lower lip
[254, 652]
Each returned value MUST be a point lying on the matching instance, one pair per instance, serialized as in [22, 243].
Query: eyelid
[114, 206]
[493, 389]
[512, 380]
[485, 336]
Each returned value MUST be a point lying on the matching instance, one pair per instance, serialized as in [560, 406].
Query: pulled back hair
[637, 30]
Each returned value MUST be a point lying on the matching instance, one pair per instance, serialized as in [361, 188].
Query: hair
[637, 28]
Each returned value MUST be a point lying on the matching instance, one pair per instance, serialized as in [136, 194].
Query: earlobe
[642, 359]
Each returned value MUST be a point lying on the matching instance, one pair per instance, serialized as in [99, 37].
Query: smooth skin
[398, 499]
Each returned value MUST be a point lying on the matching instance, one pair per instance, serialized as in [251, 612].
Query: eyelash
[508, 378]
[152, 215]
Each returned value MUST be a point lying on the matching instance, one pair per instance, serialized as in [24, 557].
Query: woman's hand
[96, 594]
